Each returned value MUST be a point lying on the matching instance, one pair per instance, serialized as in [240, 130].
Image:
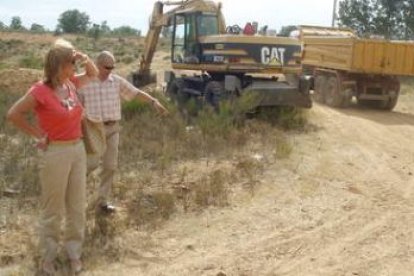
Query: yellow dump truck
[346, 66]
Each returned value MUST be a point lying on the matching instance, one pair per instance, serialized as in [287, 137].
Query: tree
[2, 26]
[358, 15]
[16, 24]
[126, 31]
[73, 21]
[95, 31]
[105, 28]
[389, 18]
[37, 28]
[408, 19]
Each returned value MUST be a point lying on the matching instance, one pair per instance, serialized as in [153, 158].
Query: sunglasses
[109, 67]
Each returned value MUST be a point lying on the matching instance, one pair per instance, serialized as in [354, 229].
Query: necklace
[62, 91]
[63, 94]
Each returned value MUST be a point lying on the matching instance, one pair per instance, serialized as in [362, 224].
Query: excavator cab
[187, 29]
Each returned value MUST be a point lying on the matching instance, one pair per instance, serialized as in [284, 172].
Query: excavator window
[185, 39]
[179, 39]
[187, 28]
[207, 25]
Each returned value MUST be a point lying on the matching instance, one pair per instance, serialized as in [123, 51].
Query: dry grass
[167, 168]
[151, 187]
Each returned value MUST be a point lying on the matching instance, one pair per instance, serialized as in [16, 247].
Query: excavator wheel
[333, 97]
[175, 91]
[182, 97]
[171, 91]
[213, 94]
[188, 102]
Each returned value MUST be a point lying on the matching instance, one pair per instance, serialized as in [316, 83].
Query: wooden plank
[330, 52]
[360, 55]
[409, 60]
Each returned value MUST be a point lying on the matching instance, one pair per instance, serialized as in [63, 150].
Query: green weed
[32, 61]
[212, 190]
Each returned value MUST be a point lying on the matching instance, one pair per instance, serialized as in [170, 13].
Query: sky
[135, 13]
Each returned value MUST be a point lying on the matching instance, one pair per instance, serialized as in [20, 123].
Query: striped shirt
[102, 99]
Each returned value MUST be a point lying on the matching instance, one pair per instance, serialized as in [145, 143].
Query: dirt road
[343, 204]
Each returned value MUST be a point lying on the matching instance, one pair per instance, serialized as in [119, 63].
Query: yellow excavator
[224, 60]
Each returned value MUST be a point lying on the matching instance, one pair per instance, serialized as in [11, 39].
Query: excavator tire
[181, 98]
[213, 94]
[172, 90]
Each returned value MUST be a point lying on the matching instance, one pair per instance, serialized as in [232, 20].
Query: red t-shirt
[59, 119]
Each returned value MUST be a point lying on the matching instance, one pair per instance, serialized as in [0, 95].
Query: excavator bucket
[144, 78]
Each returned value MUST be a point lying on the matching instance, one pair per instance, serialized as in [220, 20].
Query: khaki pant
[63, 180]
[109, 161]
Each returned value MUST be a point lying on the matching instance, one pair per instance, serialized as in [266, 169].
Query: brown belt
[64, 142]
[109, 123]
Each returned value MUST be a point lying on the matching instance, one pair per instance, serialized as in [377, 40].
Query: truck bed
[353, 54]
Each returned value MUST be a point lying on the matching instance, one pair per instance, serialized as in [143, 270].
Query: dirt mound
[18, 80]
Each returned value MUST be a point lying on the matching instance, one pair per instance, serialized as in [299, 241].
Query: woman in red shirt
[62, 165]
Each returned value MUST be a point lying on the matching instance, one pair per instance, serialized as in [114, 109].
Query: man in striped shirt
[102, 102]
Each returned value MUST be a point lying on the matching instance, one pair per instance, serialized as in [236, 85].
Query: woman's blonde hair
[60, 53]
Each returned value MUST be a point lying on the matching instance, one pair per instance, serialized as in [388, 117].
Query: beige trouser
[109, 161]
[63, 180]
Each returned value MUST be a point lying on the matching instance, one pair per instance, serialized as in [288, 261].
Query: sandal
[76, 265]
[48, 268]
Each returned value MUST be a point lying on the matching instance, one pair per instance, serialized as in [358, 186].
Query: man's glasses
[109, 67]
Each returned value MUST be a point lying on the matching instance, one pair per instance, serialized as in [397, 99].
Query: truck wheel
[363, 103]
[387, 104]
[332, 93]
[318, 92]
[347, 98]
[391, 103]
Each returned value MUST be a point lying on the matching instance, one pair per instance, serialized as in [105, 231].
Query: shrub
[286, 117]
[31, 61]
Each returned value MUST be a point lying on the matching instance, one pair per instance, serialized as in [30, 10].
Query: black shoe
[108, 208]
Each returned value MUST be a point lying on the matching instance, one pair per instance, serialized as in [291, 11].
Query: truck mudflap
[271, 93]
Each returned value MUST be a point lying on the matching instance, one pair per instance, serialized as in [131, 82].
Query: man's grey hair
[105, 58]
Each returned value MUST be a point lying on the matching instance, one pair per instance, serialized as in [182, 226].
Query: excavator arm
[160, 19]
[157, 21]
